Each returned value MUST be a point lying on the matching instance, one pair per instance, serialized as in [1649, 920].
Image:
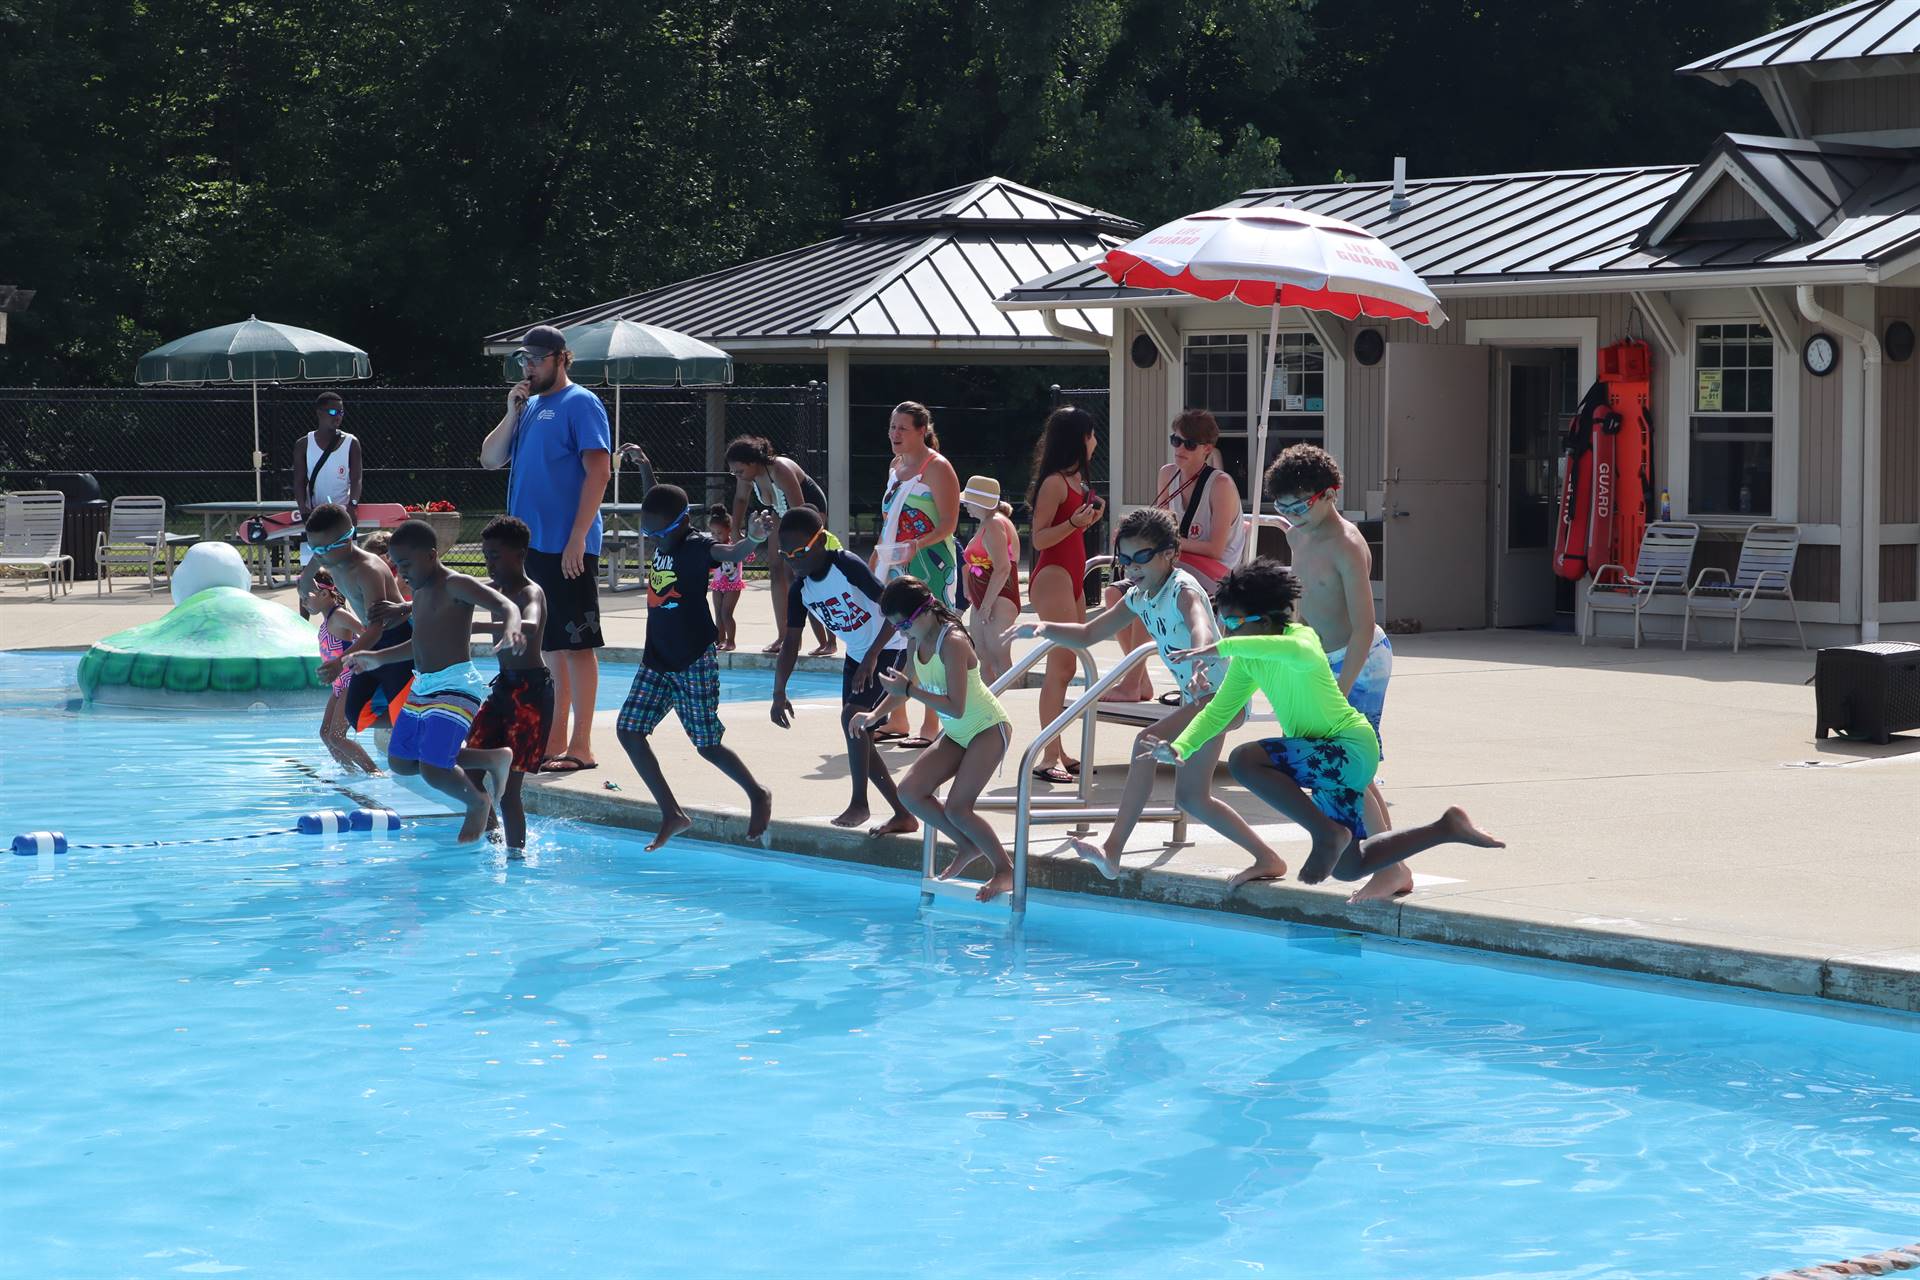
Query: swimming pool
[737, 684]
[307, 1056]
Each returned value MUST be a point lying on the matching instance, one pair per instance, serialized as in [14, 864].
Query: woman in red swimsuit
[1063, 510]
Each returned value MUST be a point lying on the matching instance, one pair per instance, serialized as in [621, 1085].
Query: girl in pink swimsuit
[338, 630]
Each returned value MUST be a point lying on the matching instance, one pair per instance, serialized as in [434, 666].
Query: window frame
[1332, 374]
[1781, 503]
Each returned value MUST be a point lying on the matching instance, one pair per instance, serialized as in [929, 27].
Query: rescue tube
[219, 647]
[1607, 467]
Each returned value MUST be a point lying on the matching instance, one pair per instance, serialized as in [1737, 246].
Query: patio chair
[32, 539]
[1765, 571]
[1665, 560]
[136, 534]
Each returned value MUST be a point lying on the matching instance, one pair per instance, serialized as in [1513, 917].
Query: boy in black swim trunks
[839, 589]
[373, 592]
[519, 711]
[678, 671]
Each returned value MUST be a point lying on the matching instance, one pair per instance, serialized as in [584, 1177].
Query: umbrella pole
[1257, 463]
[256, 439]
[616, 442]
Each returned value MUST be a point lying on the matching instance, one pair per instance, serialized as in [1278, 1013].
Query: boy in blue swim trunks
[1318, 773]
[1335, 568]
[431, 733]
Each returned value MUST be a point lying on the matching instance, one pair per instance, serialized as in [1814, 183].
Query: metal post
[839, 441]
[257, 458]
[616, 442]
[1257, 463]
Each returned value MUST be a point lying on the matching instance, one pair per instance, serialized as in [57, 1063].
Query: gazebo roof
[912, 278]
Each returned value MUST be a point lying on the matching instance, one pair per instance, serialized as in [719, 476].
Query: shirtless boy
[518, 713]
[368, 585]
[1335, 570]
[430, 734]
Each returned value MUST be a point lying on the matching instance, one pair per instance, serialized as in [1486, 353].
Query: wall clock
[1819, 355]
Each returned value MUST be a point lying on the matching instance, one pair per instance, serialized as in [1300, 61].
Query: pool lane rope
[31, 844]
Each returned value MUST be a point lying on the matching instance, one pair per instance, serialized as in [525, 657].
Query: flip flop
[565, 764]
[1170, 698]
[1073, 767]
[1054, 774]
[887, 735]
[916, 744]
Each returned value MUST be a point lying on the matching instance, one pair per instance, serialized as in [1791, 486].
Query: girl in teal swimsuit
[1317, 773]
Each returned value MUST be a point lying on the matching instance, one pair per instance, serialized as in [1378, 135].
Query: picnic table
[621, 532]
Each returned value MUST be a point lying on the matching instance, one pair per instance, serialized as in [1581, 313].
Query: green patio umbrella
[253, 351]
[617, 353]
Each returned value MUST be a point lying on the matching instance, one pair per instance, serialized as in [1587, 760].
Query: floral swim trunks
[1334, 771]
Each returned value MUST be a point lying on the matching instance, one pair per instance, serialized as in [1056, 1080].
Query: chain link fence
[418, 444]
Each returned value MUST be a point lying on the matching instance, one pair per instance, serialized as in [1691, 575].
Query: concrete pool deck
[1665, 813]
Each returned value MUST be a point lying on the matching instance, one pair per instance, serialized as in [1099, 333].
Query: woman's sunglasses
[341, 541]
[1185, 442]
[794, 553]
[1142, 557]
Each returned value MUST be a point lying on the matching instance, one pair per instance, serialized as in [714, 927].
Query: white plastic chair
[1665, 560]
[1765, 571]
[32, 539]
[136, 534]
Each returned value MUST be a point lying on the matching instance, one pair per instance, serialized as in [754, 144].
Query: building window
[1223, 377]
[1730, 450]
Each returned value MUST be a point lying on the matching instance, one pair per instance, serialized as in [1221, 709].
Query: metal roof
[916, 275]
[1553, 229]
[1866, 29]
[1806, 187]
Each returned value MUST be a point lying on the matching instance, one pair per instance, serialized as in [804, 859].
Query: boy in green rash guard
[1328, 749]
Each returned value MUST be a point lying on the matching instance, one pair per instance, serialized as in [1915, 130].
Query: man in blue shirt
[554, 435]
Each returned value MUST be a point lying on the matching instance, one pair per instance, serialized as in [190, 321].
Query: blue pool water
[742, 684]
[308, 1056]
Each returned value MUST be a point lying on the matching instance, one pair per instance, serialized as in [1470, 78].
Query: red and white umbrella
[1275, 258]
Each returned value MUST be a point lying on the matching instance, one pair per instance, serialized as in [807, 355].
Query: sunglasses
[794, 553]
[902, 624]
[1298, 506]
[529, 359]
[341, 541]
[1142, 557]
[331, 413]
[1185, 442]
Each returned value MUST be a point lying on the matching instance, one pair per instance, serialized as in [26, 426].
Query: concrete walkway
[1667, 813]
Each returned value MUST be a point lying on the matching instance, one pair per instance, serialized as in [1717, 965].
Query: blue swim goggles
[661, 533]
[341, 541]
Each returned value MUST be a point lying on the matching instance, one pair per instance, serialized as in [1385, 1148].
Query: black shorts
[373, 696]
[573, 604]
[875, 693]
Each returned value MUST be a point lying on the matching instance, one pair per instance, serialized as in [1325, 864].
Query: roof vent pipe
[1399, 204]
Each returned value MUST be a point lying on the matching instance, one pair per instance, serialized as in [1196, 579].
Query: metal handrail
[1019, 669]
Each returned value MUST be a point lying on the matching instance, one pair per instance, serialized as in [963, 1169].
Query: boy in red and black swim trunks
[519, 712]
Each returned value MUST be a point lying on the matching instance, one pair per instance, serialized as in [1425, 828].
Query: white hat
[982, 491]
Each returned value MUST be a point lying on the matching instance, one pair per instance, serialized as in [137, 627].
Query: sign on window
[1707, 398]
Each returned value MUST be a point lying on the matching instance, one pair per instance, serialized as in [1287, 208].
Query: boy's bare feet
[1262, 869]
[1002, 882]
[1329, 844]
[900, 824]
[961, 861]
[1104, 861]
[760, 814]
[772, 650]
[1390, 882]
[476, 824]
[671, 825]
[855, 815]
[826, 649]
[1460, 830]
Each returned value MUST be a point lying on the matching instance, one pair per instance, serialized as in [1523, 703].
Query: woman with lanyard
[1205, 504]
[920, 512]
[766, 480]
[1064, 508]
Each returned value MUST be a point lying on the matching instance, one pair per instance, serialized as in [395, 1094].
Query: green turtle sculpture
[218, 646]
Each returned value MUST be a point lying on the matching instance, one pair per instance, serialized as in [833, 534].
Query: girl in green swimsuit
[1328, 749]
[974, 729]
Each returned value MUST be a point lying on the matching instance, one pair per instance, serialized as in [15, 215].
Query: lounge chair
[136, 535]
[1665, 561]
[32, 539]
[1765, 571]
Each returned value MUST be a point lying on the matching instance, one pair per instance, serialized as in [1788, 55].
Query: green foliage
[408, 175]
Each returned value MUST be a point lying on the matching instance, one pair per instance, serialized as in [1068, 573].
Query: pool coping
[1888, 981]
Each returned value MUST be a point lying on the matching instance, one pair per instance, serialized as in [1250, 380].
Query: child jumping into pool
[338, 630]
[678, 671]
[430, 736]
[1328, 749]
[1173, 606]
[372, 591]
[974, 729]
[837, 588]
[1334, 565]
[727, 582]
[518, 713]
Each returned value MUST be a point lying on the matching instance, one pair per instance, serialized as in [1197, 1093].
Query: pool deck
[1665, 813]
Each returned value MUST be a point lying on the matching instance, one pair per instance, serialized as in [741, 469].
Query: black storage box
[1867, 690]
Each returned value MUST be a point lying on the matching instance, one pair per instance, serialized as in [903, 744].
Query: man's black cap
[543, 340]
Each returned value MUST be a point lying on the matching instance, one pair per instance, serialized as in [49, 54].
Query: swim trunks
[1332, 770]
[694, 694]
[518, 715]
[1369, 692]
[573, 604]
[440, 710]
[381, 692]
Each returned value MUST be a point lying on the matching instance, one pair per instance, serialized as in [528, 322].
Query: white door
[1536, 393]
[1434, 544]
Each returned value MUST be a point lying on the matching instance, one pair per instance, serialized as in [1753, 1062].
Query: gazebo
[913, 283]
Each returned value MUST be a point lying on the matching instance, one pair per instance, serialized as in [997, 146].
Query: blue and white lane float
[30, 844]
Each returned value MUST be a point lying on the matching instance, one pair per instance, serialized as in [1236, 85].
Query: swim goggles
[1235, 621]
[794, 553]
[1296, 507]
[661, 533]
[1142, 557]
[898, 625]
[341, 541]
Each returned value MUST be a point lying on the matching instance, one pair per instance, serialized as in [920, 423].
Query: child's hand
[362, 661]
[1198, 684]
[1023, 631]
[760, 526]
[330, 670]
[1164, 752]
[514, 642]
[387, 613]
[1194, 654]
[632, 450]
[894, 681]
[782, 711]
[864, 726]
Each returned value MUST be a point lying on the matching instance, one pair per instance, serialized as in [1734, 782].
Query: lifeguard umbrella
[1275, 258]
[253, 351]
[617, 353]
